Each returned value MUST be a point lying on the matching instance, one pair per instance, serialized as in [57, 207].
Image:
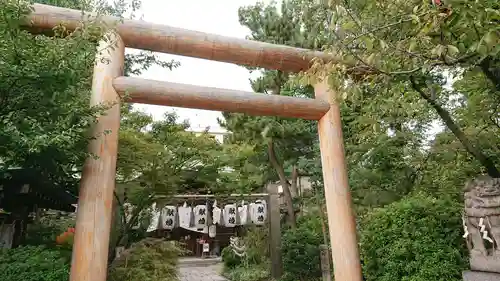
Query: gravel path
[200, 270]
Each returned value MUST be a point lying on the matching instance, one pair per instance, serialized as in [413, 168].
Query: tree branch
[486, 66]
[490, 167]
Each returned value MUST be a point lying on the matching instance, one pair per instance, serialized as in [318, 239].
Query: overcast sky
[218, 17]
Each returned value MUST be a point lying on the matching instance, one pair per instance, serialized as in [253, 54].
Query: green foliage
[230, 259]
[416, 239]
[300, 249]
[32, 263]
[258, 272]
[45, 86]
[411, 62]
[254, 265]
[161, 158]
[47, 229]
[256, 242]
[148, 260]
[44, 96]
[389, 121]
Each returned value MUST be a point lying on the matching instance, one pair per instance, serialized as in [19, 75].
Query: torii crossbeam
[93, 224]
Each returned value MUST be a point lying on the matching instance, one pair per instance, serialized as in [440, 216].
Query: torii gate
[93, 223]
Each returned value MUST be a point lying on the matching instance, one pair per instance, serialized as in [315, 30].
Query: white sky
[218, 17]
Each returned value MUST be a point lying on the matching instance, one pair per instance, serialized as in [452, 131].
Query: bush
[45, 232]
[256, 241]
[33, 264]
[255, 272]
[148, 260]
[300, 249]
[254, 266]
[257, 249]
[230, 259]
[415, 239]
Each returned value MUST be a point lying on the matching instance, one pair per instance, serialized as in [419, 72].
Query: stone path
[191, 269]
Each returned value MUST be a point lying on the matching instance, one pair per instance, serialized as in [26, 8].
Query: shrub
[254, 266]
[257, 249]
[256, 241]
[32, 263]
[254, 272]
[147, 260]
[300, 249]
[45, 232]
[230, 259]
[416, 239]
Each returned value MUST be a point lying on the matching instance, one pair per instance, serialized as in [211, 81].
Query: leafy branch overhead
[394, 136]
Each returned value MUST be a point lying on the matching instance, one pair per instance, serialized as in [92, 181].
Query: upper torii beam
[143, 35]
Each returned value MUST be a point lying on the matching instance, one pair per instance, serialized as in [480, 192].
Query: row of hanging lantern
[199, 217]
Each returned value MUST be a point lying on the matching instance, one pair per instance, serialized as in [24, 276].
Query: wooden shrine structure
[273, 219]
[90, 250]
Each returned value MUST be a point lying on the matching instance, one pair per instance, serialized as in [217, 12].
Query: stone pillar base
[480, 276]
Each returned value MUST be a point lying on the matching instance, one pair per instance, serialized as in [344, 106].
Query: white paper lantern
[155, 218]
[200, 216]
[185, 216]
[216, 214]
[169, 217]
[258, 213]
[230, 215]
[243, 214]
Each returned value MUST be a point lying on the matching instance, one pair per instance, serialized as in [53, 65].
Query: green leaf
[368, 43]
[413, 45]
[383, 45]
[349, 26]
[452, 50]
[490, 38]
[370, 59]
[482, 50]
[415, 18]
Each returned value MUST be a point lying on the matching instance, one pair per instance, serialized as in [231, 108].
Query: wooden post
[342, 226]
[326, 272]
[93, 220]
[273, 207]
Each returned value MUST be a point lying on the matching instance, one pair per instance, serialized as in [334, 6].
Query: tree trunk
[295, 180]
[490, 167]
[283, 181]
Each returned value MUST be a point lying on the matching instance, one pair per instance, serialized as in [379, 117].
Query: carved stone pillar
[482, 228]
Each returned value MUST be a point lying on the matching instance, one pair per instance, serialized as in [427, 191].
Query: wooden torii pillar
[90, 250]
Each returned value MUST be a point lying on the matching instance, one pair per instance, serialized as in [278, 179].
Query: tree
[45, 90]
[383, 166]
[401, 68]
[416, 48]
[396, 88]
[280, 142]
[159, 159]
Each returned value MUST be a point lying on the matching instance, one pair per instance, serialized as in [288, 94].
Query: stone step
[198, 262]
